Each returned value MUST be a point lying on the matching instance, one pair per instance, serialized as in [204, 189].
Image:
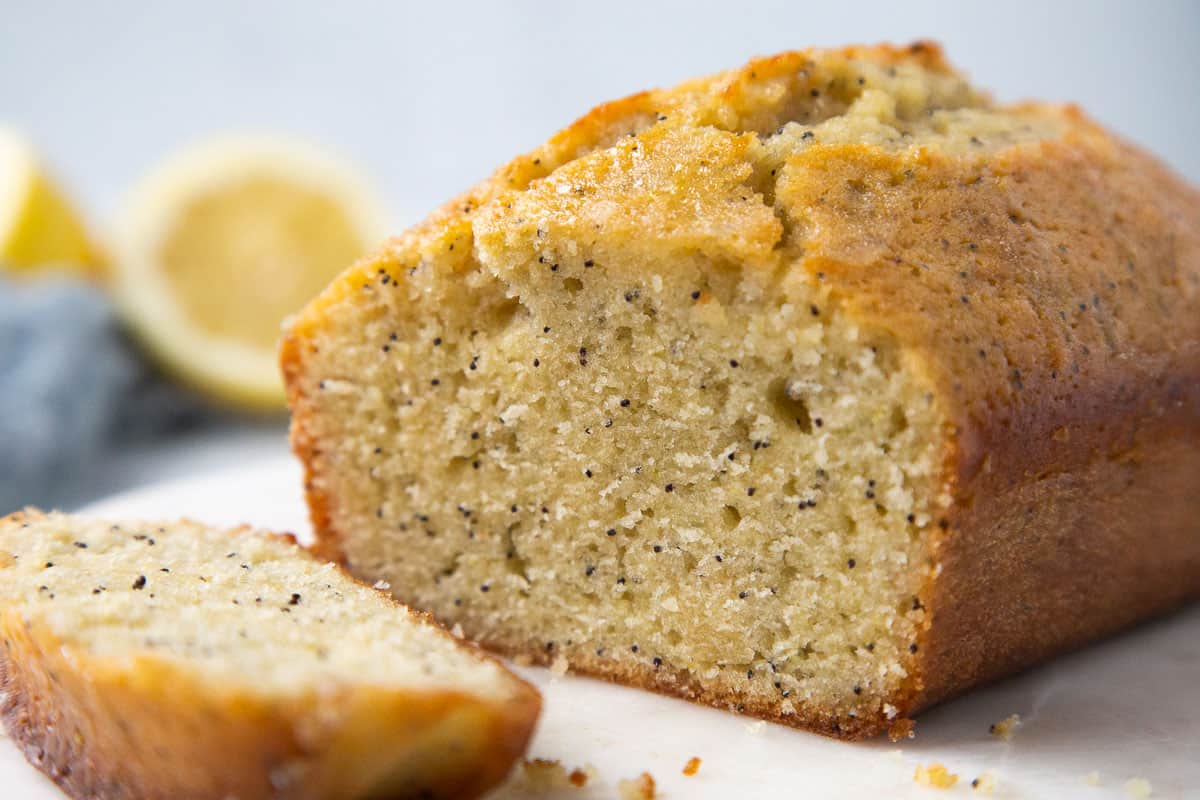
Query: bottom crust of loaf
[671, 682]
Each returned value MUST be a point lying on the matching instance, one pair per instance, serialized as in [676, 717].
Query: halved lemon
[219, 244]
[38, 227]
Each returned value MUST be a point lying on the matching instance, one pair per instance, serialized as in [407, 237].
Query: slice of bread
[175, 660]
[821, 389]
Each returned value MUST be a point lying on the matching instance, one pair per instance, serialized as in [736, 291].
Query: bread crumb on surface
[1092, 778]
[560, 666]
[1005, 727]
[548, 774]
[935, 775]
[902, 729]
[985, 783]
[543, 774]
[1138, 788]
[640, 788]
[692, 766]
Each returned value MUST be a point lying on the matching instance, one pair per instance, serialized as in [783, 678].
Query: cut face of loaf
[167, 661]
[822, 390]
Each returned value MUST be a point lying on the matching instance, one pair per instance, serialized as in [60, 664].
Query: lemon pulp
[220, 243]
[289, 239]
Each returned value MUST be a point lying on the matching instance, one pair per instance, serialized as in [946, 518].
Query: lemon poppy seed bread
[170, 661]
[821, 390]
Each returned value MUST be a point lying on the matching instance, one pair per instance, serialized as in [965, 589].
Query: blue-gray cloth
[72, 388]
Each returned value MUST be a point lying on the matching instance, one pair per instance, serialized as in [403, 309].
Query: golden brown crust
[676, 683]
[147, 727]
[303, 443]
[1048, 293]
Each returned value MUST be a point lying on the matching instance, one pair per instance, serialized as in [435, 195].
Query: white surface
[1128, 707]
[431, 97]
[180, 455]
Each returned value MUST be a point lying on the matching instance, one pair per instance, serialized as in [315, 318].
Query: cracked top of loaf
[1021, 245]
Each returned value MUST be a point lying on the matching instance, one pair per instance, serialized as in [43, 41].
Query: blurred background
[113, 174]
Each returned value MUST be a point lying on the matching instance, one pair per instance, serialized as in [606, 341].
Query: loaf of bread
[176, 661]
[822, 390]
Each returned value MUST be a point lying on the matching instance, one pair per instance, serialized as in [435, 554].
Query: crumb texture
[241, 607]
[254, 669]
[726, 389]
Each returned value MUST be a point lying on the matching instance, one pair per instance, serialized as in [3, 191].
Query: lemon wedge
[38, 227]
[219, 244]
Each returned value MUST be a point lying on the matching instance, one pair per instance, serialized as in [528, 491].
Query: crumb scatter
[642, 787]
[1005, 728]
[935, 776]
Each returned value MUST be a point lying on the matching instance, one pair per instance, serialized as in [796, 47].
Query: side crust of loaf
[145, 726]
[1069, 364]
[1050, 297]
